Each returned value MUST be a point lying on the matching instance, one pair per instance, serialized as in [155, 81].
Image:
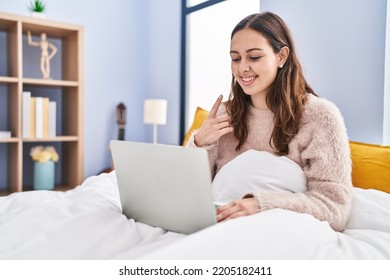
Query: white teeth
[248, 79]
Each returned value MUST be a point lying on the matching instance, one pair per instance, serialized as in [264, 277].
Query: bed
[87, 223]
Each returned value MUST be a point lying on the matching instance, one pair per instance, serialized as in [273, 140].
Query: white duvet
[87, 223]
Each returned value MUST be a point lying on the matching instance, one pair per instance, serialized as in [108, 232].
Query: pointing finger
[214, 109]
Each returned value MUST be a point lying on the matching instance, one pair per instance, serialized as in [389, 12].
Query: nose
[244, 66]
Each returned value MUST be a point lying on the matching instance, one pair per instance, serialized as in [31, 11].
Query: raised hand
[213, 126]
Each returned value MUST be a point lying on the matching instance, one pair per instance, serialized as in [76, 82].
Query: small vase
[37, 15]
[44, 175]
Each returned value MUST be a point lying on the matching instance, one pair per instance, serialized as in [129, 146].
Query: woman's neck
[259, 102]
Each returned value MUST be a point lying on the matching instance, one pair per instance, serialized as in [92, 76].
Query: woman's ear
[283, 55]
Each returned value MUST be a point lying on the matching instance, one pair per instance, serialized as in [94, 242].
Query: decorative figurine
[121, 116]
[45, 45]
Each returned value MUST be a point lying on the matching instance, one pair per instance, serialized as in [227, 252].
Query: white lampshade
[155, 111]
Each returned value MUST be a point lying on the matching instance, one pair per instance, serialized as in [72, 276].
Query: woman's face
[254, 63]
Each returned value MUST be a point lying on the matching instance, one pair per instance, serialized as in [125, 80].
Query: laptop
[164, 186]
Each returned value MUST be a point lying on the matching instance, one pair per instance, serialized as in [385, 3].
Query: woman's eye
[235, 59]
[255, 57]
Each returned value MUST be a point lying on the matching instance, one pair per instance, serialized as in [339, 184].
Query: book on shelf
[45, 117]
[5, 134]
[38, 117]
[26, 96]
[52, 119]
[32, 116]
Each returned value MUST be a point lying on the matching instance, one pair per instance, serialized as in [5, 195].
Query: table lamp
[155, 112]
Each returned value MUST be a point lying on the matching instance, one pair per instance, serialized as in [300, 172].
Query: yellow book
[45, 117]
[32, 117]
[26, 96]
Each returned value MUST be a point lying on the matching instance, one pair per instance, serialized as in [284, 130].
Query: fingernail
[220, 96]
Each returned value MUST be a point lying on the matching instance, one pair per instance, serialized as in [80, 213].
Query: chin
[250, 92]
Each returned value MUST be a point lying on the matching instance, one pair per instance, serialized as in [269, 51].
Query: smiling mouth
[248, 80]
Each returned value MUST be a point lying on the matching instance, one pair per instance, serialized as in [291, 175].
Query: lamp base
[154, 133]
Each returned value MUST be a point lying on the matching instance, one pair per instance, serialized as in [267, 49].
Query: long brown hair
[288, 93]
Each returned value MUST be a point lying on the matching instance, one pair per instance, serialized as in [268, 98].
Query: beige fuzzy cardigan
[321, 148]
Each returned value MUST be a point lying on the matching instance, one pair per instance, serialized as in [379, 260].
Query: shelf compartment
[9, 48]
[68, 101]
[4, 176]
[67, 173]
[9, 104]
[67, 43]
[28, 164]
[10, 179]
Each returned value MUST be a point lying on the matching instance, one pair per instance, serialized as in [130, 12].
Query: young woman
[272, 108]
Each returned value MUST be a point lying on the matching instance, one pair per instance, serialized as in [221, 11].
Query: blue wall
[341, 45]
[132, 52]
[163, 55]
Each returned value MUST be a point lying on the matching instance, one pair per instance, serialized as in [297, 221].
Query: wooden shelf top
[55, 139]
[52, 139]
[8, 19]
[8, 79]
[9, 140]
[43, 82]
[39, 82]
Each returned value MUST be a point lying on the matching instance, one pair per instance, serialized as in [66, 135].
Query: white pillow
[254, 171]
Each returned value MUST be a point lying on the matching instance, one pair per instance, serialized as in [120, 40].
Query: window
[386, 97]
[206, 69]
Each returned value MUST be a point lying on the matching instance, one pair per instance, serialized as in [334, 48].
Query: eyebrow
[249, 50]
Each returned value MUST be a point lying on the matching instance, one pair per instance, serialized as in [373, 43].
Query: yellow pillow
[370, 166]
[200, 116]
